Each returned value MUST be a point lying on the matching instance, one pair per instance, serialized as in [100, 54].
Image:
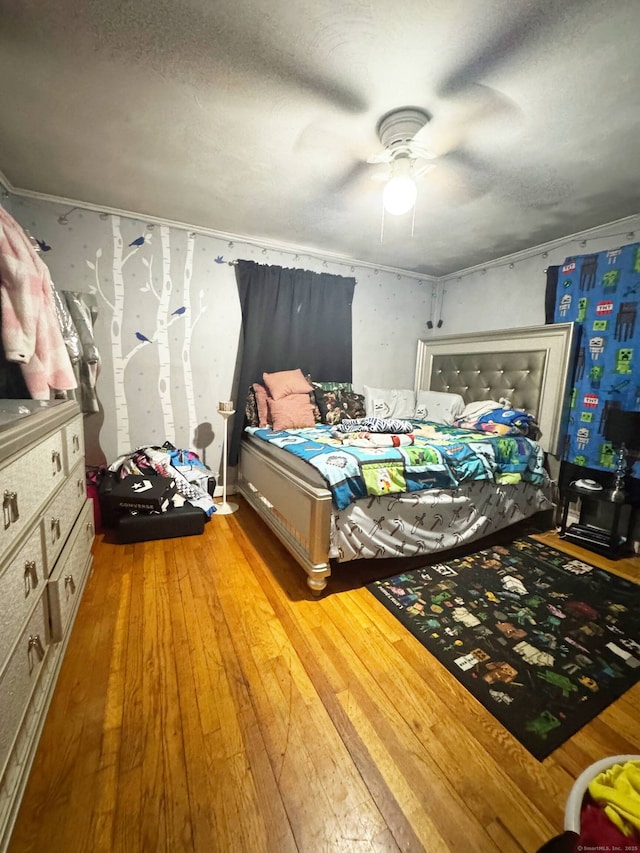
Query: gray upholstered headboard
[531, 367]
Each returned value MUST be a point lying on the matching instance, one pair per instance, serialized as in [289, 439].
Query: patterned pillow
[439, 407]
[352, 404]
[338, 404]
[329, 406]
[264, 419]
[390, 402]
[332, 386]
[251, 409]
[376, 425]
[317, 414]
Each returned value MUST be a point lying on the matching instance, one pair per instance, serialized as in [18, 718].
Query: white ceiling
[257, 118]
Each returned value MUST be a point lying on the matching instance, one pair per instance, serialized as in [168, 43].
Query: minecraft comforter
[355, 465]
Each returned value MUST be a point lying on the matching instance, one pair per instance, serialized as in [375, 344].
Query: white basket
[576, 795]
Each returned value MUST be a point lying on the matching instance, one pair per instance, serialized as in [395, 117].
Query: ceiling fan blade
[459, 178]
[329, 150]
[510, 37]
[385, 156]
[465, 119]
[237, 45]
[420, 170]
[351, 177]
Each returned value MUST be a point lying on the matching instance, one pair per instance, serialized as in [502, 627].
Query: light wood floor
[208, 703]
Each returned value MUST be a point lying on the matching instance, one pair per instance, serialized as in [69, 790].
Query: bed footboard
[297, 512]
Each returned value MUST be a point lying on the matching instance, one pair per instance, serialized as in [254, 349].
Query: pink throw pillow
[286, 382]
[261, 403]
[291, 412]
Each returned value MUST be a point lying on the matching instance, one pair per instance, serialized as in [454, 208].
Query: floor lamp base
[226, 508]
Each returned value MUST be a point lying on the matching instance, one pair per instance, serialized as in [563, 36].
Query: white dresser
[46, 532]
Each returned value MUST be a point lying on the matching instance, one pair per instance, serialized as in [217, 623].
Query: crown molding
[258, 242]
[290, 248]
[627, 223]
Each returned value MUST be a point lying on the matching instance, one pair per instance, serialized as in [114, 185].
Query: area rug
[544, 641]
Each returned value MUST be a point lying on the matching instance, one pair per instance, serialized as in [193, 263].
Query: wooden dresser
[46, 533]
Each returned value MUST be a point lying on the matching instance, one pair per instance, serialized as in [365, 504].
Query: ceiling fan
[401, 133]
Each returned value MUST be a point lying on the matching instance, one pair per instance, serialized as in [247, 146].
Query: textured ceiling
[257, 119]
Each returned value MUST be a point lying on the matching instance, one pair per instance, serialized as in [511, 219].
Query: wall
[169, 320]
[509, 293]
[177, 291]
[6, 200]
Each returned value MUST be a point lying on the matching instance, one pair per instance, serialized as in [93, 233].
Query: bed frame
[531, 367]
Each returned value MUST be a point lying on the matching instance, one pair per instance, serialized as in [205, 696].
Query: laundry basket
[573, 806]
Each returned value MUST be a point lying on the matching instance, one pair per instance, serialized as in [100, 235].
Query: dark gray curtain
[550, 294]
[290, 318]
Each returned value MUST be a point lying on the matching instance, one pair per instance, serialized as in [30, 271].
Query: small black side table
[614, 540]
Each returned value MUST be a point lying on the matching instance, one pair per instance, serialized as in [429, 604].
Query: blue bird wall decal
[219, 259]
[139, 241]
[143, 338]
[180, 310]
[43, 245]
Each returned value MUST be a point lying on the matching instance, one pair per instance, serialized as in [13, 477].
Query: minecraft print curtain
[601, 293]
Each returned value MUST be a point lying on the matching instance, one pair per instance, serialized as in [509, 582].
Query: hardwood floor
[208, 703]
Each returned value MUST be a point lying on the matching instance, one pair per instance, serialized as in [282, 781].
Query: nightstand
[610, 535]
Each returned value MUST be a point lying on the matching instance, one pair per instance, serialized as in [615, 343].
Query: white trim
[534, 251]
[259, 242]
[292, 248]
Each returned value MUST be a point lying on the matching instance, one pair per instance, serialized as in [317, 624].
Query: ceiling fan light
[399, 195]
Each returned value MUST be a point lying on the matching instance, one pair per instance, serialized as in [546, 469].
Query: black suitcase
[185, 520]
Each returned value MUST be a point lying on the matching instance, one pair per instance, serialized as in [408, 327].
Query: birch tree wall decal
[171, 286]
[189, 326]
[162, 335]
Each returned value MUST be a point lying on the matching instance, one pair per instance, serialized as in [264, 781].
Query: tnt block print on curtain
[601, 293]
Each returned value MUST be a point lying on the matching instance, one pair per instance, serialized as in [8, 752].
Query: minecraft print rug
[544, 641]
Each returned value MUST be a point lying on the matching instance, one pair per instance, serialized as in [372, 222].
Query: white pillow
[389, 402]
[439, 406]
[479, 408]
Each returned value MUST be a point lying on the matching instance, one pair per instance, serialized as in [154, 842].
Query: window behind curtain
[290, 318]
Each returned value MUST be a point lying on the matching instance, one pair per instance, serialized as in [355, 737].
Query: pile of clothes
[500, 418]
[609, 813]
[193, 481]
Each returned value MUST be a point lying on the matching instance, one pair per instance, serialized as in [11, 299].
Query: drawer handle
[56, 461]
[80, 484]
[90, 529]
[34, 647]
[10, 512]
[30, 577]
[69, 585]
[55, 530]
[75, 442]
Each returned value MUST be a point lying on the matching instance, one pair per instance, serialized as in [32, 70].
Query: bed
[530, 367]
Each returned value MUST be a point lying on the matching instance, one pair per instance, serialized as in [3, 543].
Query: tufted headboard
[531, 367]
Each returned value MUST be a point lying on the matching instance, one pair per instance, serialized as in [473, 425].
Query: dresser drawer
[26, 741]
[74, 442]
[22, 580]
[60, 515]
[67, 581]
[19, 677]
[25, 486]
